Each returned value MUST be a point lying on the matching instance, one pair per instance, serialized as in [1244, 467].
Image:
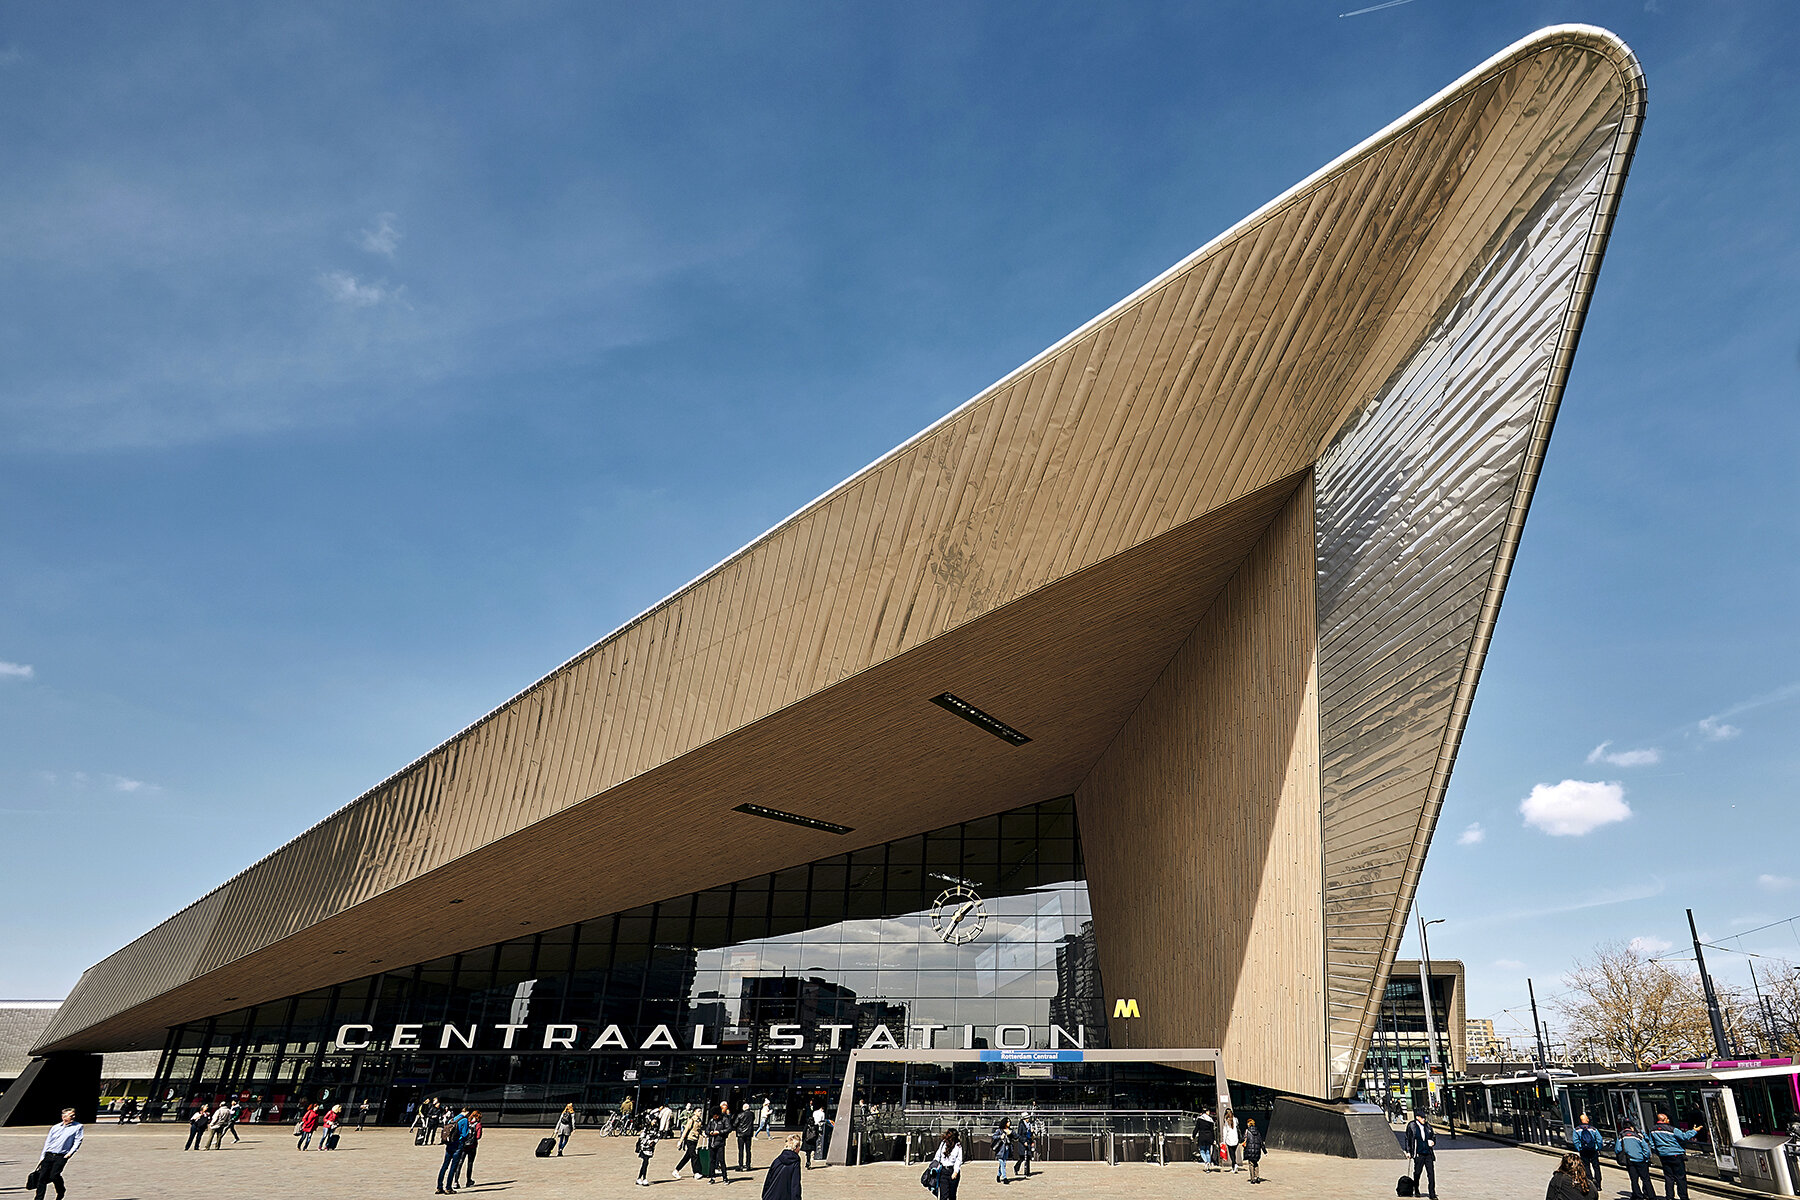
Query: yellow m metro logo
[1125, 1008]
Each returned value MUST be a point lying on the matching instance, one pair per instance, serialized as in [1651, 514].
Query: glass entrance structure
[977, 934]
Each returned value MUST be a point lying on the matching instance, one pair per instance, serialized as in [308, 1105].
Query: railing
[1063, 1135]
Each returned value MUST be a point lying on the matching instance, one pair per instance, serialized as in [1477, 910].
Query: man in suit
[1421, 1145]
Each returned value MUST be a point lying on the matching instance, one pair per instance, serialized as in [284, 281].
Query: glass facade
[978, 935]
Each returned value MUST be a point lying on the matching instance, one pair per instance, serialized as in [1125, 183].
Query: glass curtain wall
[965, 930]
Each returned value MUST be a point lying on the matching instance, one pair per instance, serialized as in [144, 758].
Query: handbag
[928, 1180]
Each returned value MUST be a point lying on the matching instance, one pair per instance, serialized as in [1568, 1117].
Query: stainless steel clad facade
[1401, 321]
[1420, 503]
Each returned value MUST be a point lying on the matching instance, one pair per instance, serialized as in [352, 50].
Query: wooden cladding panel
[1200, 829]
[1225, 375]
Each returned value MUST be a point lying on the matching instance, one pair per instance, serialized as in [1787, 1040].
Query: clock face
[957, 916]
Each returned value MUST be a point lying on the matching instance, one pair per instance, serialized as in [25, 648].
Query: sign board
[630, 1075]
[1030, 1071]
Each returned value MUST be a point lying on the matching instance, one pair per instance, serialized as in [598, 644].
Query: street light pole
[1431, 1046]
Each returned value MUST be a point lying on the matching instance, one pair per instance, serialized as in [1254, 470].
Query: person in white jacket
[949, 1162]
[1228, 1135]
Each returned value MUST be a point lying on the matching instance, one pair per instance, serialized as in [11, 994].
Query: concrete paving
[146, 1162]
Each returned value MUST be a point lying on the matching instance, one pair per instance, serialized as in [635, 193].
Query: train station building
[1114, 710]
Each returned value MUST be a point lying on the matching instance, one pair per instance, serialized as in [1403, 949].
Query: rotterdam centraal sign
[785, 1039]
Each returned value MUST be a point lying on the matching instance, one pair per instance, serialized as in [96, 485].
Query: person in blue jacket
[1636, 1153]
[1589, 1144]
[1670, 1146]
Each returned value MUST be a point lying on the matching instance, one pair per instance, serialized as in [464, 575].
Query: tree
[1780, 983]
[1622, 1006]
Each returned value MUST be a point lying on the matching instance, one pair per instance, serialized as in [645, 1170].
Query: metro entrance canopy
[1201, 594]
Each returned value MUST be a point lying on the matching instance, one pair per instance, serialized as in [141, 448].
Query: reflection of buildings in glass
[1080, 1000]
[811, 1002]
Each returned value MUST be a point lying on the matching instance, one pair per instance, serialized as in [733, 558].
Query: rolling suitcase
[703, 1161]
[331, 1140]
[419, 1136]
[546, 1148]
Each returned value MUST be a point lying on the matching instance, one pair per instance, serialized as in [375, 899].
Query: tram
[1727, 1101]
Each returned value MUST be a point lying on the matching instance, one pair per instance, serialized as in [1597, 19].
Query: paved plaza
[148, 1163]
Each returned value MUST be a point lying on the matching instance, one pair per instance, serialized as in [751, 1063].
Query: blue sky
[356, 369]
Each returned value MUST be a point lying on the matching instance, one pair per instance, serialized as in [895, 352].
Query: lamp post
[1431, 1046]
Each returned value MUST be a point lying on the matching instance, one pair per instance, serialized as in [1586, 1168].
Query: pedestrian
[762, 1124]
[454, 1131]
[1570, 1181]
[947, 1164]
[1027, 1145]
[718, 1128]
[565, 1125]
[1228, 1137]
[328, 1139]
[59, 1147]
[1002, 1141]
[691, 1132]
[1253, 1149]
[471, 1144]
[1588, 1144]
[1634, 1153]
[197, 1122]
[309, 1121]
[1670, 1146]
[434, 1120]
[744, 1125]
[215, 1128]
[1205, 1131]
[783, 1180]
[665, 1120]
[231, 1125]
[1421, 1145]
[646, 1146]
[809, 1143]
[362, 1115]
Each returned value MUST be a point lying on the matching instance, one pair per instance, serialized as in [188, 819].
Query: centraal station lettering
[779, 1038]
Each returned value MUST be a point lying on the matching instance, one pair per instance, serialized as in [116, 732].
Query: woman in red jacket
[309, 1121]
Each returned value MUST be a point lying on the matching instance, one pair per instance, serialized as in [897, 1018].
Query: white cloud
[1648, 757]
[384, 239]
[122, 784]
[346, 288]
[13, 670]
[1509, 964]
[1650, 946]
[1574, 807]
[1472, 835]
[1774, 883]
[1716, 730]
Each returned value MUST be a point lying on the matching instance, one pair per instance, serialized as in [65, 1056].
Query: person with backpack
[744, 1125]
[783, 1180]
[947, 1164]
[1253, 1149]
[646, 1146]
[453, 1134]
[1589, 1144]
[1002, 1139]
[1634, 1156]
[565, 1125]
[718, 1129]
